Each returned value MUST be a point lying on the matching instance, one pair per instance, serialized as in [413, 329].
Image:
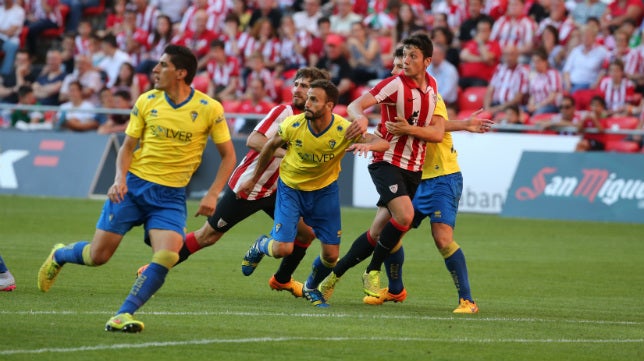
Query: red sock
[191, 243]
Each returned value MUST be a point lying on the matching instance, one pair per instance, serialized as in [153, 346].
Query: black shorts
[392, 182]
[232, 210]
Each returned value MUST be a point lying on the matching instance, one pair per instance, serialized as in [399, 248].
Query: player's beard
[311, 115]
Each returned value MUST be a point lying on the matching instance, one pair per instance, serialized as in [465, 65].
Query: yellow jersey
[173, 136]
[312, 161]
[440, 158]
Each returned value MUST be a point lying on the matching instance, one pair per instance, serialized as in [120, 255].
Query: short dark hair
[123, 94]
[598, 99]
[312, 73]
[398, 53]
[183, 58]
[24, 90]
[329, 88]
[420, 41]
[217, 43]
[323, 19]
[110, 39]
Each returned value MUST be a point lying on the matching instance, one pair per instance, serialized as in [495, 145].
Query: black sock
[359, 251]
[290, 263]
[389, 237]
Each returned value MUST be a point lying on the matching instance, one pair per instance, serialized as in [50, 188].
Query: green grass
[547, 290]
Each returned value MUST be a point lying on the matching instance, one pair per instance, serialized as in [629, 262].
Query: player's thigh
[232, 210]
[164, 239]
[392, 182]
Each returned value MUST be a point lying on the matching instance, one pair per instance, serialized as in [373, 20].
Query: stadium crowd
[549, 64]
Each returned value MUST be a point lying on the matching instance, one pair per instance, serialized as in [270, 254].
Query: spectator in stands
[316, 49]
[446, 75]
[510, 115]
[188, 18]
[567, 117]
[257, 70]
[68, 52]
[155, 44]
[199, 39]
[617, 89]
[128, 81]
[266, 9]
[82, 117]
[515, 29]
[583, 67]
[587, 9]
[307, 19]
[479, 57]
[27, 117]
[619, 11]
[509, 84]
[114, 19]
[146, 15]
[96, 52]
[131, 39]
[544, 87]
[293, 45]
[24, 74]
[455, 13]
[633, 59]
[364, 55]
[592, 119]
[89, 78]
[112, 59]
[174, 9]
[48, 84]
[115, 123]
[261, 39]
[344, 17]
[549, 40]
[442, 35]
[43, 15]
[223, 72]
[243, 13]
[75, 14]
[468, 29]
[559, 19]
[12, 17]
[337, 64]
[255, 102]
[407, 23]
[83, 37]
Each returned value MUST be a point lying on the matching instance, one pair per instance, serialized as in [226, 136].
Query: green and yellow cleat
[124, 322]
[49, 270]
[327, 285]
[371, 283]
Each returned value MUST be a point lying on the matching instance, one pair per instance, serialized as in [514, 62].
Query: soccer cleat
[314, 296]
[385, 296]
[371, 283]
[124, 322]
[141, 269]
[466, 306]
[327, 285]
[7, 282]
[49, 270]
[293, 286]
[252, 258]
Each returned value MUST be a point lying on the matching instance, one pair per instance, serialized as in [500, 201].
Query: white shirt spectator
[446, 76]
[83, 113]
[583, 67]
[14, 16]
[112, 65]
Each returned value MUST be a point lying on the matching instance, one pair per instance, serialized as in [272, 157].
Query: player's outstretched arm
[263, 161]
[432, 133]
[228, 160]
[357, 117]
[369, 142]
[473, 123]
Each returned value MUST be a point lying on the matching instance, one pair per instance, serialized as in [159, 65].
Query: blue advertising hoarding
[592, 186]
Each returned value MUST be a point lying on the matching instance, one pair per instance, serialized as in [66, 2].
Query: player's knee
[282, 249]
[305, 237]
[100, 258]
[207, 236]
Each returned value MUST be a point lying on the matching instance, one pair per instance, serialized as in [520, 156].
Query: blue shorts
[151, 204]
[437, 198]
[320, 210]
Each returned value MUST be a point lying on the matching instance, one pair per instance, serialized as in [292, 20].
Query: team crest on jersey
[193, 115]
[220, 119]
[414, 117]
[154, 113]
[298, 142]
[332, 143]
[393, 188]
[221, 223]
[278, 227]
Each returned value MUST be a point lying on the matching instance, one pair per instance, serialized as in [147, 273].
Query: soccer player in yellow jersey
[307, 185]
[170, 125]
[437, 197]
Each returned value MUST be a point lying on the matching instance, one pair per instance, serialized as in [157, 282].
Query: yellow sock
[165, 258]
[87, 259]
[449, 250]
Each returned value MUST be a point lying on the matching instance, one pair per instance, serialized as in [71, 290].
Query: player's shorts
[146, 203]
[393, 182]
[437, 198]
[232, 210]
[320, 210]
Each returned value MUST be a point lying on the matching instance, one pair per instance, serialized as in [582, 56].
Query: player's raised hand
[476, 124]
[399, 127]
[359, 149]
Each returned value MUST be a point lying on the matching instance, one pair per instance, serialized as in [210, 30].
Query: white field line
[469, 318]
[325, 339]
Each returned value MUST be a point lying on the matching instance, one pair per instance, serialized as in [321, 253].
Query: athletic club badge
[393, 188]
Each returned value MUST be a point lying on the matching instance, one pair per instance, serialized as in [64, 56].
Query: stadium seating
[582, 98]
[471, 98]
[539, 118]
[618, 123]
[56, 33]
[340, 109]
[95, 10]
[231, 106]
[201, 82]
[144, 82]
[621, 146]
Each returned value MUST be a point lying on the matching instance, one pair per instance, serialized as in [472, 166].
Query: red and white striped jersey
[513, 31]
[633, 60]
[509, 82]
[541, 85]
[270, 50]
[267, 77]
[267, 183]
[147, 19]
[565, 28]
[290, 57]
[400, 96]
[220, 74]
[616, 95]
[82, 46]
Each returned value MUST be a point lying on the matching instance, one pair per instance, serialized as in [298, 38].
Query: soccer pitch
[547, 290]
